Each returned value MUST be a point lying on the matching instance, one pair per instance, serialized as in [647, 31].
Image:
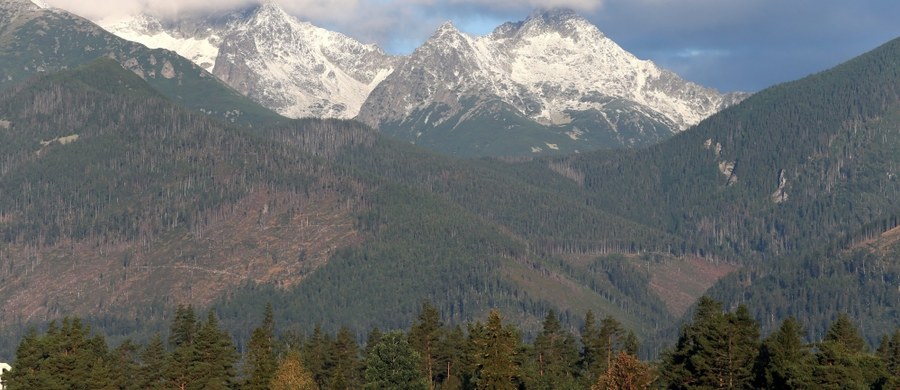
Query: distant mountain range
[552, 83]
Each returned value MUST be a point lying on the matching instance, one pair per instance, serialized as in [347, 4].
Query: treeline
[723, 350]
[718, 349]
[200, 354]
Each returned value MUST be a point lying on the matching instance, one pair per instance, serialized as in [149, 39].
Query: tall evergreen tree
[153, 363]
[394, 364]
[425, 337]
[555, 354]
[217, 355]
[346, 369]
[316, 356]
[184, 326]
[843, 362]
[889, 353]
[784, 360]
[495, 346]
[716, 350]
[261, 361]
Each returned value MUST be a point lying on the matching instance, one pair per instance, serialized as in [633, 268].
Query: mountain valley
[133, 180]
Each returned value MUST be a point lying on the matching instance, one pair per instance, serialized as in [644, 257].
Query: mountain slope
[35, 40]
[292, 67]
[782, 182]
[118, 204]
[550, 83]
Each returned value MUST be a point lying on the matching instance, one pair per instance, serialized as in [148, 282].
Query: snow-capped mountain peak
[284, 63]
[553, 68]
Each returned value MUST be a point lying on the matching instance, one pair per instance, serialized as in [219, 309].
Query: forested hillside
[120, 204]
[792, 168]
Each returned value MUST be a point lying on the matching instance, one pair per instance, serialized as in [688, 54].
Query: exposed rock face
[292, 67]
[551, 83]
[555, 69]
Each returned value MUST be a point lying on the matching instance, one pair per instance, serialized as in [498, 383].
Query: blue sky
[727, 44]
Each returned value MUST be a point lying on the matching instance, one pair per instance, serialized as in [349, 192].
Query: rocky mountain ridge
[290, 66]
[553, 75]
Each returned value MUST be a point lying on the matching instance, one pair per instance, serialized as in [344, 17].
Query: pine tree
[590, 334]
[784, 360]
[453, 359]
[317, 352]
[495, 347]
[28, 369]
[425, 336]
[372, 340]
[555, 354]
[716, 350]
[889, 353]
[217, 355]
[261, 361]
[153, 364]
[346, 368]
[394, 364]
[123, 366]
[184, 326]
[842, 360]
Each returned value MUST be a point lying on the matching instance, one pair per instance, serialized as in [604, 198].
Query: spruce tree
[555, 354]
[217, 355]
[425, 337]
[394, 364]
[346, 369]
[716, 350]
[153, 363]
[261, 362]
[784, 360]
[495, 347]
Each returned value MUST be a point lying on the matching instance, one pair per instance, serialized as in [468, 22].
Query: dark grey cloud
[728, 44]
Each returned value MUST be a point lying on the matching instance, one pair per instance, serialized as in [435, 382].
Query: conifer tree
[217, 355]
[495, 347]
[889, 353]
[425, 337]
[842, 359]
[372, 340]
[555, 354]
[453, 359]
[316, 356]
[394, 364]
[153, 363]
[184, 326]
[346, 368]
[261, 361]
[784, 360]
[716, 350]
[123, 366]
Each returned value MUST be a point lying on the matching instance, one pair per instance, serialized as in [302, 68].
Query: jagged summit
[553, 71]
[286, 64]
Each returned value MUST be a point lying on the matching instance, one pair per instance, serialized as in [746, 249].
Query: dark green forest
[716, 349]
